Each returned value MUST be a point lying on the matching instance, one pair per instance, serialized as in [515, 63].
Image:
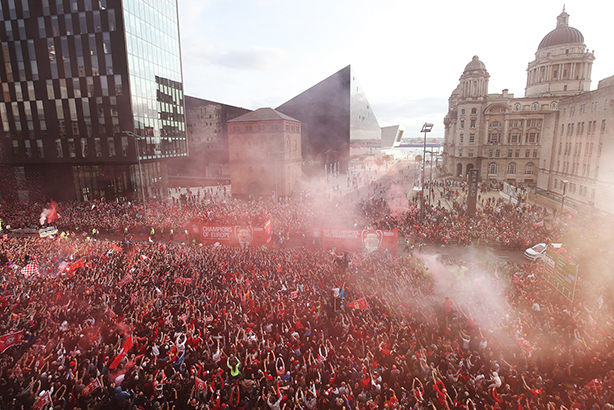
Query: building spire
[563, 19]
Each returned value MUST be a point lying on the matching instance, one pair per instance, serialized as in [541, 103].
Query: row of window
[572, 188]
[273, 127]
[577, 149]
[575, 169]
[510, 153]
[579, 128]
[594, 108]
[493, 168]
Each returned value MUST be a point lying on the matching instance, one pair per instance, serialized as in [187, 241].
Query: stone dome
[562, 34]
[475, 65]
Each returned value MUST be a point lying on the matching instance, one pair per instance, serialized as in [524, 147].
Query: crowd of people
[149, 325]
[108, 322]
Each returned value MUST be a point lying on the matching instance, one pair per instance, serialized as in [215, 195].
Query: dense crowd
[167, 326]
[149, 324]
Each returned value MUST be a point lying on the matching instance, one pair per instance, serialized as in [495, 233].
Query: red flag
[30, 269]
[122, 354]
[294, 294]
[91, 386]
[42, 401]
[359, 304]
[125, 280]
[143, 257]
[200, 384]
[10, 339]
[538, 224]
[74, 266]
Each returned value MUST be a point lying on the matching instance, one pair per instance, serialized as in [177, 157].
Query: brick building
[265, 153]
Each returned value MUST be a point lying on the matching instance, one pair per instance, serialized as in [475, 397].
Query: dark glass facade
[84, 83]
[338, 122]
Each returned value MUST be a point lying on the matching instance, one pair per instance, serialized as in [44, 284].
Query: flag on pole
[10, 339]
[30, 269]
[122, 354]
[359, 303]
[91, 386]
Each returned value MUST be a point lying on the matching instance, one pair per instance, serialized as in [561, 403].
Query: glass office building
[92, 98]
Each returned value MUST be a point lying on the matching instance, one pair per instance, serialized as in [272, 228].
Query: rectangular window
[40, 149]
[59, 152]
[471, 137]
[462, 138]
[125, 146]
[28, 146]
[472, 123]
[535, 153]
[527, 153]
[517, 153]
[509, 153]
[490, 153]
[111, 146]
[498, 153]
[72, 153]
[84, 147]
[462, 125]
[98, 147]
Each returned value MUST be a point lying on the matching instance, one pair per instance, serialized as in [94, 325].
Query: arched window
[294, 145]
[516, 107]
[511, 168]
[529, 169]
[535, 106]
[492, 168]
[288, 144]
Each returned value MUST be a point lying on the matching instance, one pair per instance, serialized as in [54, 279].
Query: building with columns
[559, 131]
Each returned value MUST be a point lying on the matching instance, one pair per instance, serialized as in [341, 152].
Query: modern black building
[92, 98]
[338, 122]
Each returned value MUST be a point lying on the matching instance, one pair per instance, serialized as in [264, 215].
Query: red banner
[359, 304]
[237, 235]
[122, 354]
[42, 401]
[356, 240]
[91, 386]
[10, 339]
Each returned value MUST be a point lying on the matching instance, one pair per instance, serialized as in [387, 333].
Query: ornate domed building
[558, 137]
[562, 64]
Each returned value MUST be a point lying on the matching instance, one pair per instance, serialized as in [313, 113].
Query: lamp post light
[427, 127]
[563, 198]
[276, 153]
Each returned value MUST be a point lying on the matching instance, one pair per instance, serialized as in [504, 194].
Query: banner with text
[236, 235]
[356, 240]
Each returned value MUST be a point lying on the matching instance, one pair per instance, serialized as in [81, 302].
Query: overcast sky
[407, 55]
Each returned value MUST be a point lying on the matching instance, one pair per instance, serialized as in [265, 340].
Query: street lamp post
[563, 198]
[427, 127]
[275, 165]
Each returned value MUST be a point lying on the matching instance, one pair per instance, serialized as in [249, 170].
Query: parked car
[538, 251]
